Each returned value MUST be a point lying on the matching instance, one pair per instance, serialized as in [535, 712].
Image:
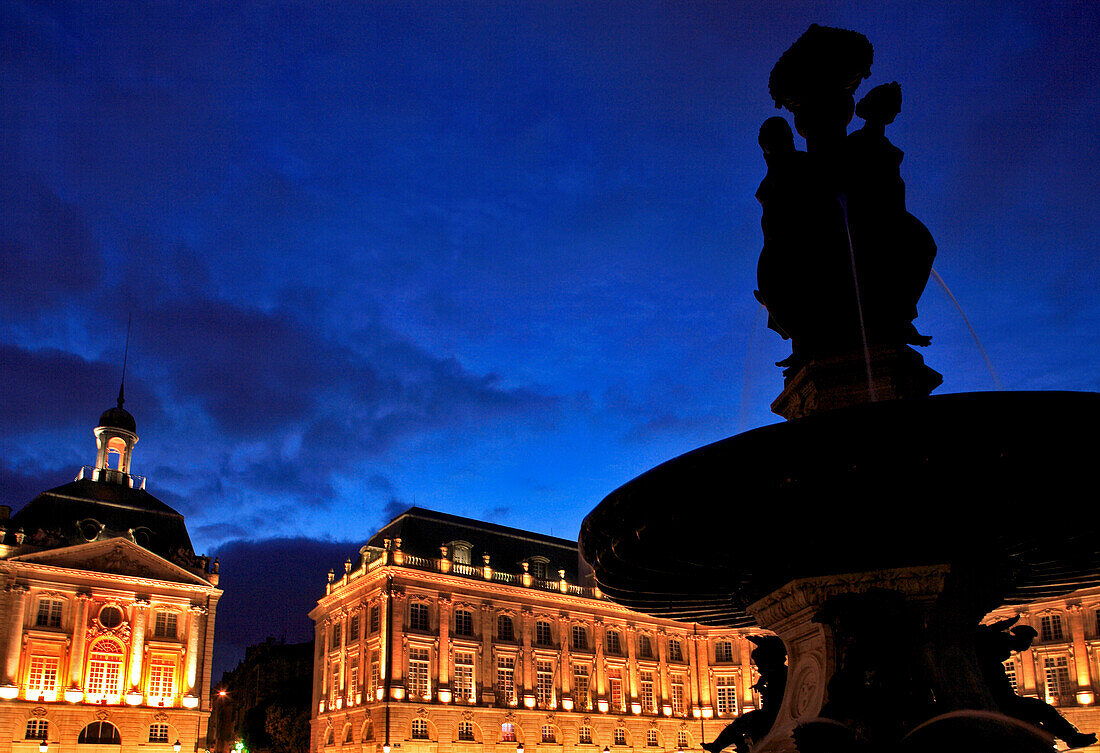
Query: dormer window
[540, 568]
[463, 552]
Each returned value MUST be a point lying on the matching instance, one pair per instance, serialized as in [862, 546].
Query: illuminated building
[483, 637]
[108, 615]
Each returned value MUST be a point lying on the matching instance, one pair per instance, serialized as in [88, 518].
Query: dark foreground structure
[876, 529]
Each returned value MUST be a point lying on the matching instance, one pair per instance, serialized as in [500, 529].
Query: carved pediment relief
[115, 556]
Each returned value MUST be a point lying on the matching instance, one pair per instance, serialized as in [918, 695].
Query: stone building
[450, 634]
[108, 615]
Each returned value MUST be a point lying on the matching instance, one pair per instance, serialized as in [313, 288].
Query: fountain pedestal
[890, 373]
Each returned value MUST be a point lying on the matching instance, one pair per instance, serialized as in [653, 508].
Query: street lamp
[43, 746]
[176, 746]
[386, 748]
[519, 747]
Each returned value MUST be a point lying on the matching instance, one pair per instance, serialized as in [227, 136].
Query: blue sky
[490, 258]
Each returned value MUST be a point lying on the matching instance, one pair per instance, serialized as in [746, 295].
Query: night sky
[489, 258]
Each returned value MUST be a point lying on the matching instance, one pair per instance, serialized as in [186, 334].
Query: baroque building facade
[108, 615]
[454, 635]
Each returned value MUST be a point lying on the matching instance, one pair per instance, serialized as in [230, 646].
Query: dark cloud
[286, 576]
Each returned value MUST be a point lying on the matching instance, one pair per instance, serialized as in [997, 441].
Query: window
[1010, 673]
[104, 678]
[544, 683]
[49, 613]
[158, 733]
[463, 553]
[110, 617]
[723, 651]
[464, 622]
[418, 616]
[1056, 671]
[540, 569]
[506, 680]
[682, 741]
[165, 625]
[418, 673]
[368, 730]
[651, 738]
[505, 629]
[375, 675]
[645, 647]
[1051, 628]
[375, 618]
[620, 736]
[580, 687]
[580, 638]
[335, 675]
[649, 700]
[419, 729]
[336, 635]
[466, 731]
[543, 636]
[614, 645]
[547, 733]
[42, 678]
[100, 733]
[675, 650]
[330, 737]
[676, 689]
[615, 681]
[347, 734]
[353, 681]
[727, 695]
[584, 735]
[162, 670]
[508, 732]
[37, 729]
[353, 628]
[464, 676]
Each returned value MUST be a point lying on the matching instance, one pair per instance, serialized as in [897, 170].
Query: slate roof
[423, 531]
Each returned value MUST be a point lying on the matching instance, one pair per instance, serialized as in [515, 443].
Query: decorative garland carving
[38, 712]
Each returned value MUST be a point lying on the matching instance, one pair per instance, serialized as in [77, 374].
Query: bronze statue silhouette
[994, 645]
[770, 658]
[843, 262]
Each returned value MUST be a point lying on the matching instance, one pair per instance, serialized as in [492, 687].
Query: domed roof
[118, 418]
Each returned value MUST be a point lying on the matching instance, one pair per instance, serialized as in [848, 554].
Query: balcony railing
[111, 476]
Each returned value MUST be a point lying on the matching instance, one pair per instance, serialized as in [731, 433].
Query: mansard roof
[70, 513]
[423, 531]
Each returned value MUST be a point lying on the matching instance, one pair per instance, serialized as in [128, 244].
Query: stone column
[342, 620]
[137, 643]
[745, 646]
[1080, 648]
[565, 669]
[663, 692]
[193, 648]
[526, 626]
[396, 640]
[80, 633]
[444, 652]
[599, 669]
[208, 621]
[15, 632]
[693, 642]
[631, 666]
[702, 663]
[488, 670]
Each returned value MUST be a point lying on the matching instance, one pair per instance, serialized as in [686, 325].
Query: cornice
[76, 576]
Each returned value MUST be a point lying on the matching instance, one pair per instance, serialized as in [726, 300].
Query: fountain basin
[968, 478]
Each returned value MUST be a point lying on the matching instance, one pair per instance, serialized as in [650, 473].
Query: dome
[118, 418]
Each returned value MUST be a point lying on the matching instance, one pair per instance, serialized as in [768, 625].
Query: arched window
[100, 733]
[620, 736]
[505, 629]
[508, 732]
[158, 733]
[682, 741]
[466, 731]
[419, 729]
[347, 734]
[368, 730]
[651, 738]
[104, 675]
[584, 736]
[548, 733]
[675, 651]
[543, 635]
[37, 729]
[330, 736]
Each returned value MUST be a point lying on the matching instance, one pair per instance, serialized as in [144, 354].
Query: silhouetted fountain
[874, 530]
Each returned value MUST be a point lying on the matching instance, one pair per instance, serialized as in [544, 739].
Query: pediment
[117, 556]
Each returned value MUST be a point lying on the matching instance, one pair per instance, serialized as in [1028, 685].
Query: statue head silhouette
[881, 105]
